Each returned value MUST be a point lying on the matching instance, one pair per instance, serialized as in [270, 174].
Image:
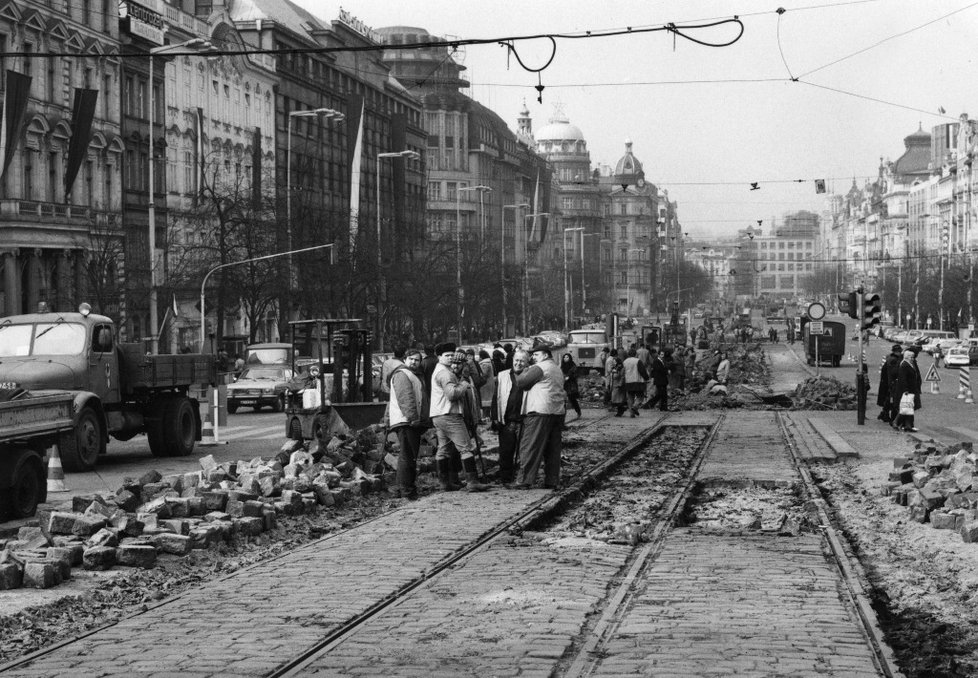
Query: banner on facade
[536, 210]
[199, 175]
[354, 142]
[256, 171]
[14, 107]
[82, 115]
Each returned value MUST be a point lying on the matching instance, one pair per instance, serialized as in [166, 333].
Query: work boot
[444, 475]
[472, 476]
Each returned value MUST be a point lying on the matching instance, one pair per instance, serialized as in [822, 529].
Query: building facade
[59, 200]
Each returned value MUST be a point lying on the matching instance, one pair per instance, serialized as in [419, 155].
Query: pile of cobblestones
[825, 393]
[175, 514]
[938, 485]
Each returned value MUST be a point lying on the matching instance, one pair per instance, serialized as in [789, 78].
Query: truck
[117, 389]
[29, 426]
[829, 346]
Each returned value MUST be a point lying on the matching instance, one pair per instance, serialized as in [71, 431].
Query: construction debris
[939, 485]
[825, 393]
[154, 514]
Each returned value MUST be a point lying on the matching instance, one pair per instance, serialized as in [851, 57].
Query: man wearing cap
[544, 386]
[508, 408]
[448, 394]
[405, 414]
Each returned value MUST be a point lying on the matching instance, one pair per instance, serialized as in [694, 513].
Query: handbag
[906, 404]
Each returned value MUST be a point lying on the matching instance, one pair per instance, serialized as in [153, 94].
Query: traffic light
[850, 304]
[946, 238]
[872, 310]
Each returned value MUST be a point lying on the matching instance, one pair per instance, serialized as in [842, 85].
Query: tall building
[60, 183]
[785, 258]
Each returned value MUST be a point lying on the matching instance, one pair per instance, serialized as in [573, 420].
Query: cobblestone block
[152, 476]
[309, 503]
[932, 499]
[151, 491]
[158, 506]
[918, 514]
[324, 496]
[242, 495]
[969, 532]
[941, 520]
[126, 500]
[107, 536]
[195, 506]
[149, 520]
[208, 463]
[920, 478]
[11, 576]
[179, 506]
[175, 482]
[200, 538]
[269, 519]
[99, 558]
[60, 522]
[136, 555]
[250, 526]
[41, 575]
[216, 516]
[176, 525]
[253, 508]
[235, 508]
[62, 557]
[191, 479]
[269, 485]
[82, 501]
[176, 544]
[214, 501]
[74, 551]
[86, 526]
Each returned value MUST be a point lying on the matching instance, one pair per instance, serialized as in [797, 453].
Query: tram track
[593, 645]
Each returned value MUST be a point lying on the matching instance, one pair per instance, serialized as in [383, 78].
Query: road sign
[816, 311]
[932, 374]
[816, 327]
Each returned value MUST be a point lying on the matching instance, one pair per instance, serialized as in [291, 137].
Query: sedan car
[258, 387]
[946, 343]
[958, 356]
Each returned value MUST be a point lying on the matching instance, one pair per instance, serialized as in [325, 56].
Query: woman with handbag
[571, 388]
[908, 385]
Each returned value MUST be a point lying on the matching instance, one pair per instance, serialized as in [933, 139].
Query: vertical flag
[536, 210]
[199, 164]
[14, 107]
[256, 156]
[82, 115]
[354, 145]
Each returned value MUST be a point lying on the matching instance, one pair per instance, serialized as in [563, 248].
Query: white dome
[559, 130]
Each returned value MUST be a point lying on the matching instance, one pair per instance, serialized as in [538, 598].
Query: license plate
[8, 384]
[246, 402]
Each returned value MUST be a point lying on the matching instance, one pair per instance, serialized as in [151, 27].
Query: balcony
[48, 212]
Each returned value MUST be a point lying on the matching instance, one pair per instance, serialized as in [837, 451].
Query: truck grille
[585, 353]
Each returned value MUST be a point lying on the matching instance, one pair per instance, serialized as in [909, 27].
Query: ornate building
[60, 184]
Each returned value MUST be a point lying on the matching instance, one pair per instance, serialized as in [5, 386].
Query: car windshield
[268, 356]
[57, 338]
[259, 374]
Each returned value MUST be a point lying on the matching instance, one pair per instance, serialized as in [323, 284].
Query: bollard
[964, 382]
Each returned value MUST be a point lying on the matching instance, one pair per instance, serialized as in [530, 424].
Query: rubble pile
[824, 392]
[938, 484]
[748, 365]
[175, 514]
[778, 510]
[591, 387]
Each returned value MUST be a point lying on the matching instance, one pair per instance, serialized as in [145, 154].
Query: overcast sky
[689, 135]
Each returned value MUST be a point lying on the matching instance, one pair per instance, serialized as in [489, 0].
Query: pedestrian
[239, 365]
[938, 356]
[669, 360]
[609, 364]
[508, 410]
[679, 368]
[428, 364]
[723, 368]
[617, 397]
[544, 385]
[387, 369]
[448, 394]
[467, 370]
[487, 390]
[635, 377]
[508, 348]
[571, 388]
[498, 359]
[883, 396]
[909, 386]
[224, 363]
[405, 416]
[660, 377]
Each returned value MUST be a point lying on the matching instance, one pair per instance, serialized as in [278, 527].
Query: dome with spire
[628, 164]
[559, 129]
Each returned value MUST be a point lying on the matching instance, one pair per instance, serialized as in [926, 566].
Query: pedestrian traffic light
[851, 303]
[872, 310]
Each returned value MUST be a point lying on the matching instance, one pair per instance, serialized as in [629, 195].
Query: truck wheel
[81, 448]
[28, 486]
[232, 407]
[179, 427]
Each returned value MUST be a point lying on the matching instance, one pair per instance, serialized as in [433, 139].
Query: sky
[706, 122]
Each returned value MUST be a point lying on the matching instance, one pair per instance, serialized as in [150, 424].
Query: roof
[628, 164]
[915, 160]
[559, 129]
[284, 12]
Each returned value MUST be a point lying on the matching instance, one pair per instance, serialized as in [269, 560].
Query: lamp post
[567, 286]
[195, 45]
[628, 286]
[583, 286]
[414, 155]
[502, 255]
[329, 114]
[203, 313]
[460, 293]
[524, 284]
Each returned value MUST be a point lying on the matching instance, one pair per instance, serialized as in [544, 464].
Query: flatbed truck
[118, 390]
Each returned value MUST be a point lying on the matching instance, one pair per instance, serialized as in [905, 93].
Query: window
[129, 96]
[52, 87]
[434, 190]
[106, 95]
[140, 110]
[85, 10]
[780, 245]
[89, 176]
[624, 231]
[29, 163]
[27, 61]
[107, 174]
[624, 209]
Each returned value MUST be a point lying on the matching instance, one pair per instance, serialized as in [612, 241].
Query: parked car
[259, 386]
[946, 343]
[891, 333]
[929, 338]
[959, 356]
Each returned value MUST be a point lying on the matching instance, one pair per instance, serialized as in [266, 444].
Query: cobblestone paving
[749, 445]
[734, 605]
[513, 611]
[252, 622]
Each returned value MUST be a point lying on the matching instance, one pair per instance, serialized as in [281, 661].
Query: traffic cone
[968, 399]
[207, 431]
[56, 474]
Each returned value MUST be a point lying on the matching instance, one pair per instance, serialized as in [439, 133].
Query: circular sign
[816, 311]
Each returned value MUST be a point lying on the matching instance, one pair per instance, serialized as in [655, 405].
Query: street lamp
[329, 114]
[195, 45]
[414, 155]
[460, 293]
[502, 255]
[628, 287]
[524, 283]
[567, 294]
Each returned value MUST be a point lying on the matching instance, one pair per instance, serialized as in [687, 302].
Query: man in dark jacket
[888, 373]
[908, 384]
[660, 377]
